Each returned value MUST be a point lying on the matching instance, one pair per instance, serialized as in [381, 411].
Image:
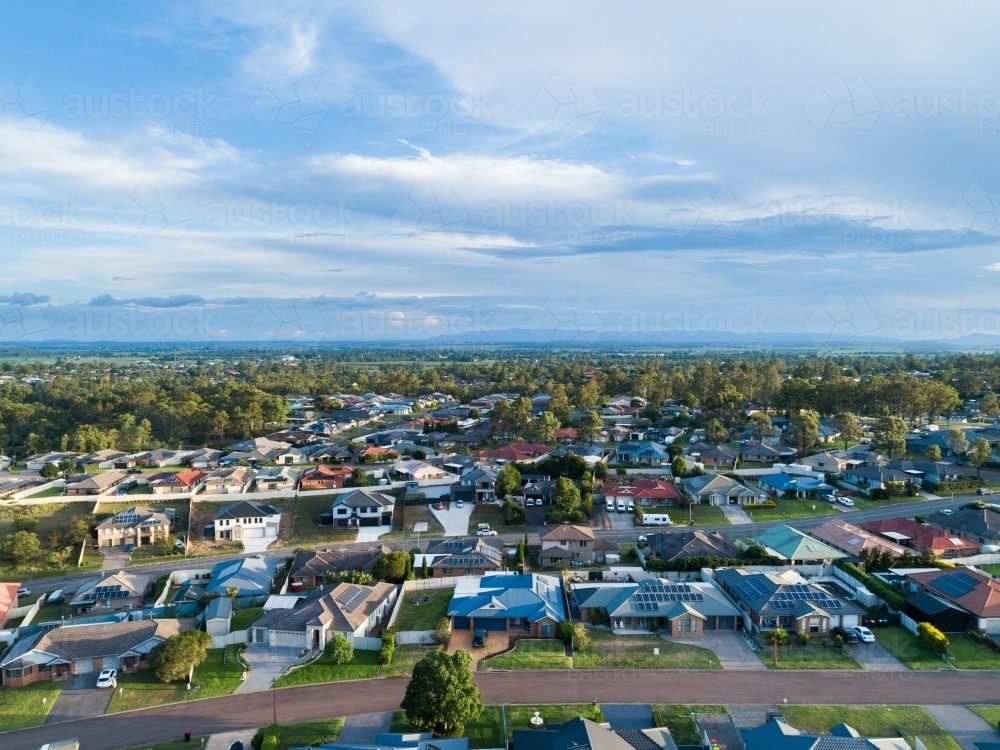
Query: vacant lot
[423, 616]
[49, 522]
[609, 651]
[404, 518]
[23, 707]
[789, 508]
[873, 721]
[813, 656]
[495, 517]
[530, 654]
[962, 653]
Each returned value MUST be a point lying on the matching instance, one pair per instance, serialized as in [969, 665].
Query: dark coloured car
[479, 638]
[849, 636]
[237, 746]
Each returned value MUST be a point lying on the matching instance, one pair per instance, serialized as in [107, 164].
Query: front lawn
[23, 707]
[307, 733]
[609, 651]
[486, 731]
[243, 617]
[872, 721]
[423, 616]
[677, 718]
[363, 666]
[702, 515]
[789, 508]
[519, 716]
[531, 654]
[403, 660]
[962, 653]
[813, 656]
[173, 744]
[211, 678]
[989, 713]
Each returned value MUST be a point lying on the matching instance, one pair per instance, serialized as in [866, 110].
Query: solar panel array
[789, 596]
[956, 585]
[468, 561]
[107, 592]
[649, 596]
[130, 518]
[757, 586]
[352, 598]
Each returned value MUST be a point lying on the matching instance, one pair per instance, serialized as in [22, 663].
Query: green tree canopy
[442, 697]
[392, 567]
[338, 649]
[565, 496]
[173, 659]
[508, 480]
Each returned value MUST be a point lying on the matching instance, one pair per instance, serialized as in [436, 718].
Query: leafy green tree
[543, 429]
[803, 430]
[361, 478]
[173, 659]
[600, 470]
[716, 431]
[49, 471]
[392, 567]
[957, 441]
[678, 467]
[339, 649]
[519, 558]
[888, 435]
[424, 572]
[979, 454]
[988, 406]
[847, 424]
[20, 547]
[442, 632]
[590, 425]
[565, 496]
[508, 480]
[933, 453]
[442, 696]
[933, 638]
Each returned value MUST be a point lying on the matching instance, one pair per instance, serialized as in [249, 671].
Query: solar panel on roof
[956, 585]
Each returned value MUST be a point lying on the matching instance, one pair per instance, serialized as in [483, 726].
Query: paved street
[79, 699]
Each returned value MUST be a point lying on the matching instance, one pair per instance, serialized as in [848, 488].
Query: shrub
[566, 631]
[933, 638]
[892, 598]
[339, 650]
[385, 654]
[442, 633]
[803, 639]
[265, 733]
[581, 638]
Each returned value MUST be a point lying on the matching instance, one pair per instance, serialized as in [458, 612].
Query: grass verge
[813, 656]
[531, 654]
[609, 651]
[873, 721]
[29, 705]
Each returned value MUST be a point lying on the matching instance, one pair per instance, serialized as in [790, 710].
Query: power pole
[775, 650]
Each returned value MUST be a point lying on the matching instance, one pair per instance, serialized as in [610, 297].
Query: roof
[569, 532]
[343, 609]
[466, 552]
[136, 516]
[853, 539]
[101, 481]
[235, 475]
[903, 529]
[712, 483]
[322, 561]
[221, 608]
[971, 589]
[8, 595]
[769, 594]
[186, 478]
[119, 585]
[655, 597]
[791, 544]
[575, 734]
[677, 545]
[983, 523]
[503, 595]
[364, 498]
[777, 735]
[251, 575]
[247, 509]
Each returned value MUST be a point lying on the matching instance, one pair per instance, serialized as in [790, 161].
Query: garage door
[253, 533]
[83, 666]
[499, 623]
[461, 623]
[296, 640]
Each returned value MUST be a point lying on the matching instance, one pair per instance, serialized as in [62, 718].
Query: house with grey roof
[716, 489]
[309, 568]
[116, 592]
[246, 519]
[776, 734]
[678, 608]
[461, 556]
[583, 734]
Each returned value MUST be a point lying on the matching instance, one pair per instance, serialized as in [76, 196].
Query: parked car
[864, 634]
[946, 512]
[849, 636]
[459, 503]
[486, 532]
[108, 678]
[609, 505]
[642, 538]
[630, 506]
[134, 470]
[984, 491]
[438, 506]
[845, 501]
[23, 591]
[621, 507]
[479, 639]
[237, 746]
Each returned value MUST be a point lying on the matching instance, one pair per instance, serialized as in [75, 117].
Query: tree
[988, 406]
[979, 454]
[232, 592]
[361, 478]
[543, 429]
[760, 425]
[339, 650]
[847, 425]
[21, 547]
[590, 425]
[581, 638]
[442, 697]
[424, 573]
[933, 638]
[565, 496]
[173, 659]
[933, 453]
[508, 480]
[519, 559]
[600, 470]
[957, 441]
[888, 435]
[678, 467]
[716, 431]
[803, 430]
[49, 471]
[392, 567]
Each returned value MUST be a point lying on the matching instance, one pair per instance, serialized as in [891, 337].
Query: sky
[531, 172]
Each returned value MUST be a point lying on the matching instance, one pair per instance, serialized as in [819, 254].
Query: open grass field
[531, 654]
[23, 707]
[873, 721]
[789, 508]
[609, 651]
[211, 678]
[423, 616]
[494, 516]
[486, 731]
[813, 656]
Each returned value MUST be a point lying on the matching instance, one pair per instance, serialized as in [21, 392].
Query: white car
[621, 507]
[23, 591]
[108, 678]
[946, 512]
[609, 505]
[845, 501]
[864, 634]
[630, 506]
[486, 532]
[642, 538]
[459, 503]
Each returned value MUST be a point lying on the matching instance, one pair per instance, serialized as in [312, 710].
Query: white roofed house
[416, 471]
[363, 507]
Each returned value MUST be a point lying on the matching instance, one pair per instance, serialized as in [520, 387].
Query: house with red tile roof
[646, 492]
[853, 539]
[325, 477]
[516, 452]
[8, 600]
[170, 482]
[567, 434]
[967, 588]
[919, 537]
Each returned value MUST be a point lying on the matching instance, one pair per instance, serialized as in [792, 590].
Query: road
[309, 702]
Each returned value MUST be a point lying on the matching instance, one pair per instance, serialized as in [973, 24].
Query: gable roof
[903, 529]
[655, 597]
[770, 594]
[853, 539]
[971, 589]
[246, 509]
[583, 734]
[777, 735]
[569, 532]
[787, 543]
[364, 498]
[983, 523]
[502, 595]
[136, 516]
[249, 574]
[321, 561]
[120, 585]
[343, 609]
[677, 545]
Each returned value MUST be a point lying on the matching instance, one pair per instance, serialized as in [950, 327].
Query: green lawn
[363, 666]
[519, 716]
[494, 516]
[486, 731]
[307, 733]
[861, 504]
[790, 508]
[211, 678]
[49, 612]
[243, 617]
[962, 653]
[993, 570]
[173, 744]
[872, 721]
[50, 492]
[306, 527]
[702, 515]
[22, 707]
[530, 654]
[813, 656]
[990, 713]
[423, 616]
[51, 518]
[677, 718]
[609, 651]
[404, 517]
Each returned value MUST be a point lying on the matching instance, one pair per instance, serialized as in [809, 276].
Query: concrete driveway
[735, 515]
[621, 521]
[368, 534]
[115, 558]
[876, 658]
[455, 520]
[268, 663]
[967, 728]
[729, 645]
[79, 699]
[258, 544]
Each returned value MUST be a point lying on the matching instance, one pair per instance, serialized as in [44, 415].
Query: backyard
[424, 615]
[243, 617]
[363, 666]
[531, 654]
[677, 718]
[609, 651]
[872, 721]
[29, 705]
[211, 678]
[812, 656]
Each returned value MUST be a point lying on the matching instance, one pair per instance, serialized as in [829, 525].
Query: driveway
[367, 534]
[268, 663]
[115, 558]
[620, 521]
[362, 729]
[967, 728]
[79, 699]
[729, 645]
[258, 544]
[497, 640]
[455, 520]
[876, 658]
[735, 515]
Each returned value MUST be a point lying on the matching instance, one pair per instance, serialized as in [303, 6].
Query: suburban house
[583, 734]
[679, 545]
[716, 489]
[247, 520]
[276, 478]
[219, 616]
[853, 539]
[226, 481]
[135, 526]
[40, 460]
[683, 609]
[795, 547]
[788, 601]
[160, 457]
[760, 453]
[363, 507]
[567, 544]
[920, 537]
[119, 591]
[252, 576]
[523, 452]
[97, 484]
[325, 454]
[719, 455]
[970, 590]
[172, 482]
[81, 649]
[8, 601]
[775, 733]
[204, 458]
[483, 481]
[102, 459]
[566, 434]
[349, 609]
[927, 472]
[324, 477]
[291, 457]
[827, 461]
[259, 444]
[416, 471]
[876, 477]
[979, 526]
[519, 603]
[794, 486]
[308, 568]
[646, 453]
[645, 492]
[473, 556]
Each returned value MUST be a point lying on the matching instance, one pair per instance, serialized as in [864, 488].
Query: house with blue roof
[525, 604]
[646, 453]
[253, 576]
[777, 735]
[786, 485]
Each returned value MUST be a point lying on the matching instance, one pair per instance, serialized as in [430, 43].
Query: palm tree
[232, 592]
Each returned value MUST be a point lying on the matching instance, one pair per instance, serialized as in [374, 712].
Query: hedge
[893, 599]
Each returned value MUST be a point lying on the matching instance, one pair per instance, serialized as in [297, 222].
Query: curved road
[538, 687]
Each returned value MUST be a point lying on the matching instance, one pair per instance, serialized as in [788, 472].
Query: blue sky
[335, 172]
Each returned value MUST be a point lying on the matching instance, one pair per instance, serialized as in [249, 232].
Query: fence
[230, 639]
[415, 638]
[27, 492]
[908, 622]
[365, 643]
